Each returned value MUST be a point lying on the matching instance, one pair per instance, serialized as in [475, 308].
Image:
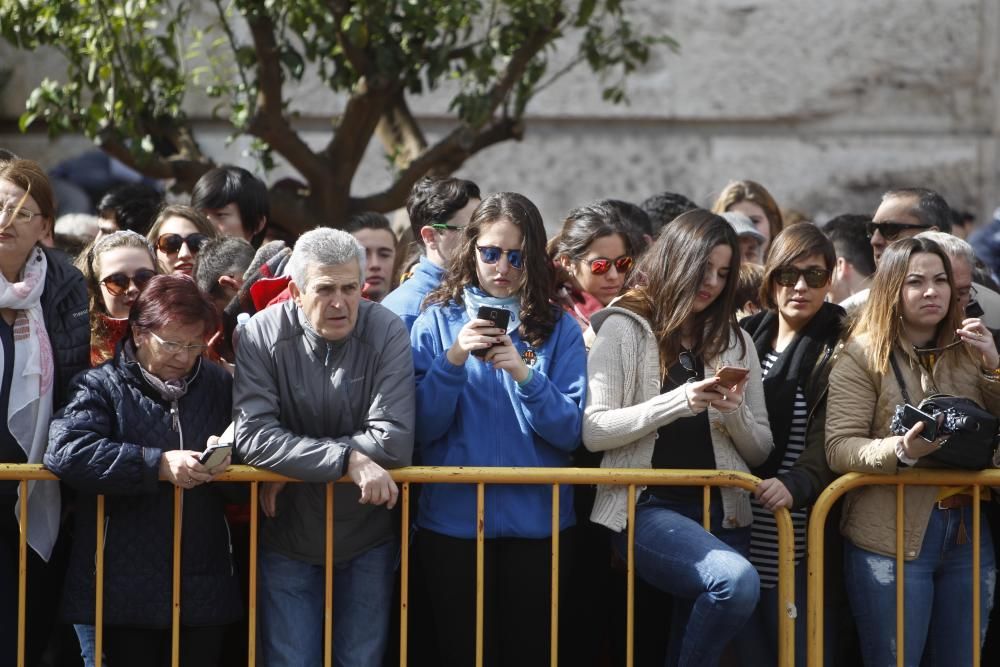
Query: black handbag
[971, 430]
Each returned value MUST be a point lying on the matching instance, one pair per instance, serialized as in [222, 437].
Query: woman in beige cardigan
[913, 316]
[651, 404]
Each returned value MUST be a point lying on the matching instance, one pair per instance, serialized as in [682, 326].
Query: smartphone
[911, 416]
[730, 376]
[500, 319]
[215, 454]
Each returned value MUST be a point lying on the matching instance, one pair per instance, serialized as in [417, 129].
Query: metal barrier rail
[632, 478]
[916, 477]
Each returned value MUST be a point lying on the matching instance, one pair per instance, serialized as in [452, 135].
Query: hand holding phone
[730, 376]
[215, 454]
[500, 319]
[912, 416]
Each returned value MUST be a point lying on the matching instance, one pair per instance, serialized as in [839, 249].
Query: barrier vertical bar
[328, 592]
[976, 576]
[900, 566]
[630, 582]
[22, 571]
[554, 620]
[252, 598]
[786, 590]
[99, 586]
[175, 612]
[404, 575]
[480, 554]
[706, 508]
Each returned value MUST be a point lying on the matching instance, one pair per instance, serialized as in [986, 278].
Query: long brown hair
[754, 192]
[881, 318]
[666, 282]
[536, 285]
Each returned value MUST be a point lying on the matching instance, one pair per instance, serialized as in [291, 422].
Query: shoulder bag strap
[899, 376]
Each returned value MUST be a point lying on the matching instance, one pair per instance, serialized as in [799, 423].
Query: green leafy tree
[130, 64]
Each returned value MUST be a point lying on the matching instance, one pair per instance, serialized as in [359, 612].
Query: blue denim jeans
[714, 585]
[86, 634]
[291, 608]
[937, 594]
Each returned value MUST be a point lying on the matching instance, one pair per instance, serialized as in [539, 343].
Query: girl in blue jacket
[488, 396]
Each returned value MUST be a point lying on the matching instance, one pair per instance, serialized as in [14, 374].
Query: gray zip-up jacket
[301, 403]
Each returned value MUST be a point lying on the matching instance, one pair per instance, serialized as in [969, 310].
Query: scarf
[475, 297]
[108, 333]
[793, 368]
[581, 305]
[30, 407]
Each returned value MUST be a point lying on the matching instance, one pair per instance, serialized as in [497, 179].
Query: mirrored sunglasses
[171, 243]
[788, 276]
[601, 265]
[491, 254]
[117, 283]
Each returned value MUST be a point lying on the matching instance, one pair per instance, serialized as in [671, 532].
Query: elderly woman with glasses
[911, 340]
[795, 339]
[178, 234]
[134, 430]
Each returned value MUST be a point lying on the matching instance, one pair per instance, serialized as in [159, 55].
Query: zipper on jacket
[175, 421]
[229, 541]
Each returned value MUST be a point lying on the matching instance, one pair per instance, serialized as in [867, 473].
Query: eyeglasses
[170, 244]
[890, 230]
[117, 283]
[491, 254]
[788, 276]
[17, 214]
[171, 347]
[441, 226]
[687, 362]
[601, 265]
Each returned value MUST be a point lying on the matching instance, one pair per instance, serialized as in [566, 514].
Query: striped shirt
[764, 537]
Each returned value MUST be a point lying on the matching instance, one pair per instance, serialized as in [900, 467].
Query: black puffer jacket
[108, 440]
[64, 309]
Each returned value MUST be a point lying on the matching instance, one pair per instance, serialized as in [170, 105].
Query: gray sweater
[625, 409]
[302, 403]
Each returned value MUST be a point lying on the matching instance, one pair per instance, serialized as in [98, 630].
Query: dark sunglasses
[171, 243]
[890, 230]
[788, 276]
[687, 362]
[491, 254]
[601, 265]
[117, 283]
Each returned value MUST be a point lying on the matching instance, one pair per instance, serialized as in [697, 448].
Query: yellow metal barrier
[917, 477]
[555, 477]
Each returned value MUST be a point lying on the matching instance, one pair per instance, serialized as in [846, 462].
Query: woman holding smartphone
[912, 319]
[489, 396]
[654, 401]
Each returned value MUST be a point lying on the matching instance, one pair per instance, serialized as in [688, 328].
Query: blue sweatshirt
[473, 415]
[406, 299]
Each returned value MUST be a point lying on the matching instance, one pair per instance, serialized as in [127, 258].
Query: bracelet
[991, 374]
[531, 374]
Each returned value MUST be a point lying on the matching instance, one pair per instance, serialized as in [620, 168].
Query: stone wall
[827, 104]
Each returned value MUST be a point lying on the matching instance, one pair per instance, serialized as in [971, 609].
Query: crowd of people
[658, 335]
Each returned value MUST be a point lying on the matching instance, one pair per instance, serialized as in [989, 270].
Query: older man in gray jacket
[324, 388]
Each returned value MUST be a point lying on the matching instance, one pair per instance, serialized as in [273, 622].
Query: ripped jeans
[938, 595]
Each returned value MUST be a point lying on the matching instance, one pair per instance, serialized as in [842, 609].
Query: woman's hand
[505, 356]
[701, 394]
[731, 397]
[975, 334]
[475, 335]
[226, 462]
[772, 494]
[916, 447]
[181, 468]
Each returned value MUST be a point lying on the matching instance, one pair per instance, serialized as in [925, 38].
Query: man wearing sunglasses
[439, 208]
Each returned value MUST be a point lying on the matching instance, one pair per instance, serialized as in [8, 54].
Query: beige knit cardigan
[625, 409]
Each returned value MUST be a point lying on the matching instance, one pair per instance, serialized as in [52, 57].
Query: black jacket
[108, 439]
[64, 309]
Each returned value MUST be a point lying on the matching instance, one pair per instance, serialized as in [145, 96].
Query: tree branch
[519, 62]
[185, 172]
[268, 122]
[356, 57]
[400, 133]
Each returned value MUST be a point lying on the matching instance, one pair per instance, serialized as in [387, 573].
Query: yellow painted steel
[632, 478]
[706, 508]
[977, 574]
[821, 510]
[99, 586]
[22, 572]
[175, 615]
[404, 573]
[328, 595]
[554, 615]
[900, 574]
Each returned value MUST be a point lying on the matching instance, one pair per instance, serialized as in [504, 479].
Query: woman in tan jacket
[913, 315]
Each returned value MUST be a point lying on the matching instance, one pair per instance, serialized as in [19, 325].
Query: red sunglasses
[601, 265]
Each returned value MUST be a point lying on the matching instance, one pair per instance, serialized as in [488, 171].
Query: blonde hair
[756, 193]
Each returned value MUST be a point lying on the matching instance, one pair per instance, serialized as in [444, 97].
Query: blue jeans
[86, 634]
[714, 585]
[291, 608]
[937, 593]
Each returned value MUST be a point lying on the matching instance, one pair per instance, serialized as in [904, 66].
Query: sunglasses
[788, 276]
[687, 362]
[491, 254]
[170, 244]
[601, 265]
[443, 227]
[890, 230]
[117, 283]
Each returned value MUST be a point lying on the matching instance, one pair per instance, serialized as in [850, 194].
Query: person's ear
[428, 236]
[293, 289]
[230, 283]
[566, 263]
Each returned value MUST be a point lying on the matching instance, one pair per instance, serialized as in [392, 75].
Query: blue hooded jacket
[406, 299]
[473, 415]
